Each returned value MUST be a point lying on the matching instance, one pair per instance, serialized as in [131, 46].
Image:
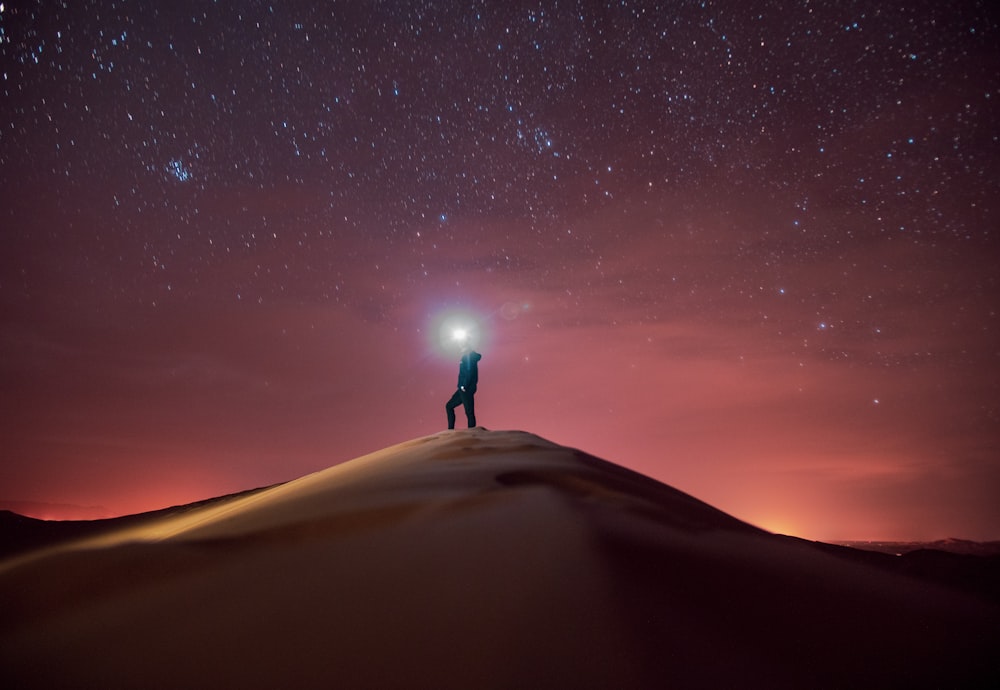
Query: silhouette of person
[468, 379]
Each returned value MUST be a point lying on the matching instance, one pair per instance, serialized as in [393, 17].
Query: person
[468, 379]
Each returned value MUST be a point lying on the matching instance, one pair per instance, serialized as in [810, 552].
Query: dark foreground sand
[474, 559]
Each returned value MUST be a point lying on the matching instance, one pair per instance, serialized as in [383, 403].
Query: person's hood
[475, 356]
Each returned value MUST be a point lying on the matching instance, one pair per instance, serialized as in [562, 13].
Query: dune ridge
[474, 558]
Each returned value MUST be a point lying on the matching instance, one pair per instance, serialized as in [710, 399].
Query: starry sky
[746, 248]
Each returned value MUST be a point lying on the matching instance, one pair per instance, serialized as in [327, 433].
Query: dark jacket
[468, 371]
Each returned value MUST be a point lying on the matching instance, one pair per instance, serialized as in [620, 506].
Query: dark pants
[467, 400]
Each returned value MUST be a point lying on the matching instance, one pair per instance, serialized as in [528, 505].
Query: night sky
[747, 248]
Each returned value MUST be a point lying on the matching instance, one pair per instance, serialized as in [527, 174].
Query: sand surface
[474, 559]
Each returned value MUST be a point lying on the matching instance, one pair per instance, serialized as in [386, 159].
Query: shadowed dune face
[613, 487]
[473, 559]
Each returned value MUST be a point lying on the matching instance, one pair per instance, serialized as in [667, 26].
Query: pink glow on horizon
[784, 442]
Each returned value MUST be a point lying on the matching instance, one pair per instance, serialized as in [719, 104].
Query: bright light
[454, 328]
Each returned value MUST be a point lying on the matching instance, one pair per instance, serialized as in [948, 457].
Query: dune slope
[473, 559]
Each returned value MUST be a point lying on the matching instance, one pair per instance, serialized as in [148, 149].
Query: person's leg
[449, 408]
[469, 403]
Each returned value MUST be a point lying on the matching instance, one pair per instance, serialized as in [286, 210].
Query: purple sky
[748, 252]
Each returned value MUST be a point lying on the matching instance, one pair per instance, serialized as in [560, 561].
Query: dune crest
[473, 558]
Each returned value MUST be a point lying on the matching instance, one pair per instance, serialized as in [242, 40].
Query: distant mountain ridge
[961, 546]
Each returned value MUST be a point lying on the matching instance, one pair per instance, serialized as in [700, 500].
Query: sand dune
[473, 559]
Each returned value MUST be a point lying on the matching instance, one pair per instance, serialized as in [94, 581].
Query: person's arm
[472, 379]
